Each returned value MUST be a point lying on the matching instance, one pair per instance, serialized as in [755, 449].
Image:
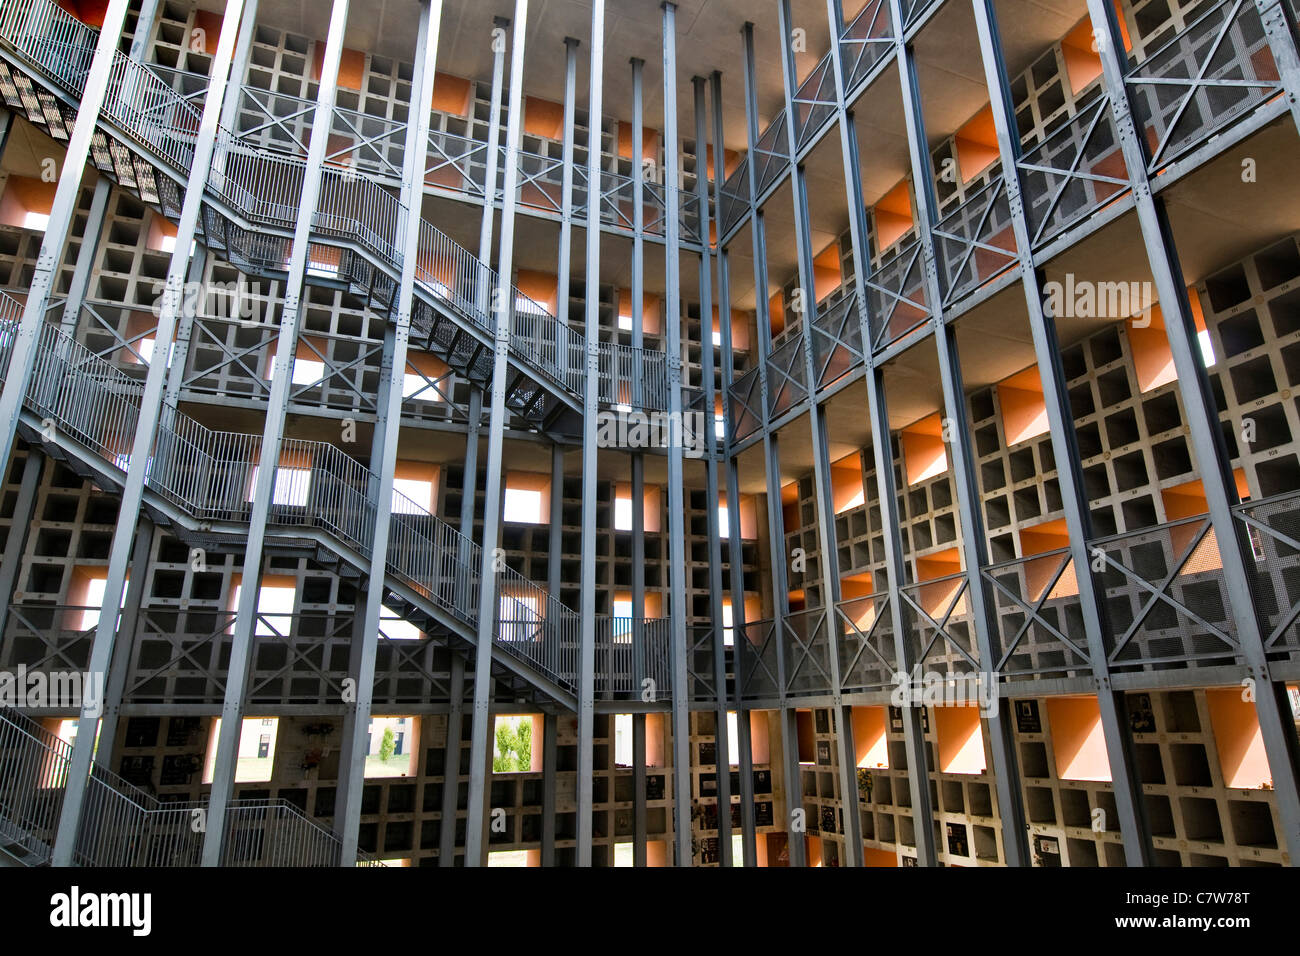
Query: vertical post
[388, 427]
[824, 497]
[1129, 804]
[591, 397]
[637, 296]
[232, 709]
[723, 748]
[128, 630]
[550, 725]
[66, 195]
[101, 653]
[451, 764]
[564, 268]
[676, 506]
[735, 544]
[502, 306]
[1280, 31]
[550, 744]
[1202, 419]
[86, 256]
[19, 531]
[143, 30]
[771, 465]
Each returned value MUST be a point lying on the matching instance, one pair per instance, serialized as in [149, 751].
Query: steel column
[19, 530]
[451, 764]
[86, 256]
[144, 30]
[66, 194]
[881, 442]
[771, 462]
[826, 536]
[735, 545]
[681, 718]
[1280, 31]
[101, 653]
[388, 426]
[1202, 420]
[487, 599]
[550, 754]
[1129, 804]
[723, 743]
[638, 466]
[591, 325]
[232, 709]
[128, 628]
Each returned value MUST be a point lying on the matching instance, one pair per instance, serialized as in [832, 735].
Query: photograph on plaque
[1027, 720]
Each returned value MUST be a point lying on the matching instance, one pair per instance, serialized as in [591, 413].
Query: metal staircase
[84, 410]
[122, 825]
[145, 142]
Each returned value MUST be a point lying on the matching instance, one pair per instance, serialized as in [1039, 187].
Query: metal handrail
[265, 186]
[211, 475]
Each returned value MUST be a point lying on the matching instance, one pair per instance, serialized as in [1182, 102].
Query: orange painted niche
[748, 517]
[651, 511]
[924, 453]
[854, 590]
[26, 202]
[650, 312]
[1044, 538]
[826, 271]
[1238, 739]
[893, 214]
[1082, 64]
[847, 490]
[960, 740]
[1078, 743]
[1188, 501]
[936, 598]
[977, 145]
[760, 741]
[1153, 361]
[1024, 411]
[874, 857]
[870, 745]
[803, 720]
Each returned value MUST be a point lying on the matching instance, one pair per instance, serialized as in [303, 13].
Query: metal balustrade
[33, 774]
[627, 670]
[211, 476]
[1039, 630]
[836, 331]
[897, 301]
[1204, 78]
[1077, 168]
[1273, 529]
[121, 825]
[975, 243]
[1165, 596]
[259, 173]
[814, 101]
[756, 660]
[868, 657]
[865, 41]
[746, 408]
[787, 375]
[805, 639]
[938, 628]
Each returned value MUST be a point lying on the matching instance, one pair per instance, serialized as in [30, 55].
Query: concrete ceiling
[708, 39]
